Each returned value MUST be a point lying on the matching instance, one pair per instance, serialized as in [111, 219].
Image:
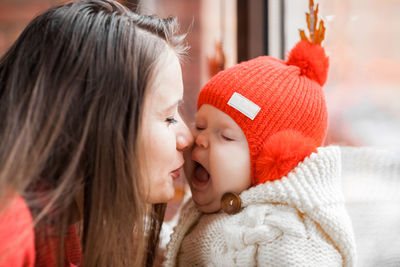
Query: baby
[264, 190]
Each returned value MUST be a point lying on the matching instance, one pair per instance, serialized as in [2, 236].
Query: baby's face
[221, 159]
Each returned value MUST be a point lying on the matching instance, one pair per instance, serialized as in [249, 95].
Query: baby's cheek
[222, 180]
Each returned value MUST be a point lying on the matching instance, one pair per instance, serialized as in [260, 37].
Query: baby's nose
[202, 140]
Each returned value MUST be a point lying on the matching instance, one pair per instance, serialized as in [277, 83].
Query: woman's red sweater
[17, 240]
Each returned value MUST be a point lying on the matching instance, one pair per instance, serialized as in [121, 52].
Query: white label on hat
[245, 106]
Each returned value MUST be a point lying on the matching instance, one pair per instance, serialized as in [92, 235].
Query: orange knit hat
[280, 106]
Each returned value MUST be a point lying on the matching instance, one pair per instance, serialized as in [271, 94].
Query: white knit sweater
[298, 220]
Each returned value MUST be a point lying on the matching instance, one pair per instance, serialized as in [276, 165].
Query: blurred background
[362, 41]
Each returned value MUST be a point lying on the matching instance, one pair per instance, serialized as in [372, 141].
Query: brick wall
[15, 15]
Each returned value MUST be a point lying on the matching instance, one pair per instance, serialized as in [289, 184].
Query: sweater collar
[315, 182]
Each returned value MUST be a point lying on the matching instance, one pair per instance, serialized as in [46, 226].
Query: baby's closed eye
[228, 135]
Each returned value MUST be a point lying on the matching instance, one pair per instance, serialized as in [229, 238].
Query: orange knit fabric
[288, 95]
[17, 245]
[17, 240]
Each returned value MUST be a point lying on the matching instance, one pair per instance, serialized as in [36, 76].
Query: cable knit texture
[299, 220]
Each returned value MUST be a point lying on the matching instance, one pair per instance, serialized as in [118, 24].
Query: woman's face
[163, 135]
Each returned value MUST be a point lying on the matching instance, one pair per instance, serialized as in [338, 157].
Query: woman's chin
[161, 197]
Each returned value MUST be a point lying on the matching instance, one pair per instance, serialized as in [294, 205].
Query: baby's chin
[207, 208]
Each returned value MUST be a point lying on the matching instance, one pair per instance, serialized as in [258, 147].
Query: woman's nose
[184, 138]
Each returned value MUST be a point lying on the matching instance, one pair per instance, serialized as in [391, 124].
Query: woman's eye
[171, 120]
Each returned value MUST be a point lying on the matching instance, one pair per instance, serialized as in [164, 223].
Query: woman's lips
[176, 173]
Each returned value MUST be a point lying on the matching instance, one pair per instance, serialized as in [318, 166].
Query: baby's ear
[281, 153]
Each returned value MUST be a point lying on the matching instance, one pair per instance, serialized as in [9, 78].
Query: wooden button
[231, 203]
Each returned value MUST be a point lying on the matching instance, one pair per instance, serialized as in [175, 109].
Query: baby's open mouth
[200, 175]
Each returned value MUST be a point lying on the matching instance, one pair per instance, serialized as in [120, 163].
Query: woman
[90, 135]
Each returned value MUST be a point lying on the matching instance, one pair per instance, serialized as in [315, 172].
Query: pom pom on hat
[280, 154]
[311, 59]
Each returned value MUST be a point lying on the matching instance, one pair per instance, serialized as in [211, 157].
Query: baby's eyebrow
[228, 125]
[199, 120]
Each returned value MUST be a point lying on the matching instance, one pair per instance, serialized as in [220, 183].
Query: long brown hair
[71, 98]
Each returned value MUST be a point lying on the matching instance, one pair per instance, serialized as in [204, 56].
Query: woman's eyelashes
[171, 120]
[175, 116]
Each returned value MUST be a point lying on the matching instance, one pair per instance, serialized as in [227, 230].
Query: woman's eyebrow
[174, 105]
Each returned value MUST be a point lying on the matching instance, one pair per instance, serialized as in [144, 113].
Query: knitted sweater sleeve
[277, 235]
[17, 246]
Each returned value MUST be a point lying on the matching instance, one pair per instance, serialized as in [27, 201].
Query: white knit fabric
[299, 220]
